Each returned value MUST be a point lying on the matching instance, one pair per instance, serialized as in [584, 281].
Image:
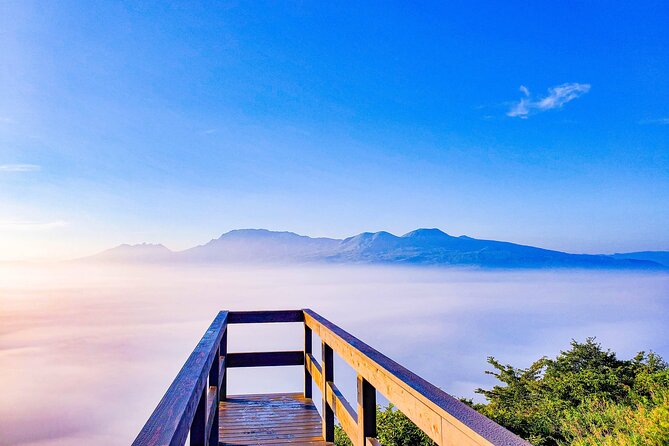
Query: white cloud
[19, 167]
[31, 225]
[556, 98]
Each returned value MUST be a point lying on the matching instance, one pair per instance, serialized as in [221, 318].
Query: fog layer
[87, 352]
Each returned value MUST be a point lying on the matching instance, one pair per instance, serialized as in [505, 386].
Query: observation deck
[197, 408]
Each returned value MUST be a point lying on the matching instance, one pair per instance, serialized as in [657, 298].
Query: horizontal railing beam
[264, 359]
[315, 370]
[342, 410]
[262, 317]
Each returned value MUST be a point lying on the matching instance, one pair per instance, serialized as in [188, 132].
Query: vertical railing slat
[213, 381]
[308, 391]
[198, 428]
[366, 411]
[328, 376]
[223, 349]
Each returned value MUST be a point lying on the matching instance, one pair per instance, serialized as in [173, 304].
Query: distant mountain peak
[143, 245]
[253, 232]
[137, 252]
[425, 233]
[366, 237]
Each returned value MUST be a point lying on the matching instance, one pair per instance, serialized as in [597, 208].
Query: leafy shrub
[585, 396]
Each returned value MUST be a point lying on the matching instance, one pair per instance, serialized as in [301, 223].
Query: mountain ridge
[418, 247]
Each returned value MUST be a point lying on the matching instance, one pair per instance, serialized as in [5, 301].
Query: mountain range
[419, 247]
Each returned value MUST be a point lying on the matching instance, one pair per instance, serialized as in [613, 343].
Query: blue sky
[533, 122]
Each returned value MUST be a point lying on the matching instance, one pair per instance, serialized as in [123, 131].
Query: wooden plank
[170, 421]
[287, 418]
[262, 317]
[296, 424]
[221, 371]
[223, 376]
[366, 411]
[327, 365]
[212, 413]
[212, 398]
[342, 410]
[445, 419]
[315, 370]
[297, 397]
[308, 338]
[264, 359]
[198, 428]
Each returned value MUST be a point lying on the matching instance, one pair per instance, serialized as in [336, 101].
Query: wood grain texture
[170, 421]
[445, 419]
[366, 412]
[314, 370]
[282, 418]
[212, 414]
[342, 410]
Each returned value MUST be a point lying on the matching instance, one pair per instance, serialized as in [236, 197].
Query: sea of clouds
[86, 352]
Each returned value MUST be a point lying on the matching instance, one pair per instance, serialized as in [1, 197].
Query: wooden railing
[191, 402]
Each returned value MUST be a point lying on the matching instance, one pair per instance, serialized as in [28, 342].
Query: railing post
[328, 376]
[366, 411]
[213, 381]
[307, 351]
[198, 428]
[223, 349]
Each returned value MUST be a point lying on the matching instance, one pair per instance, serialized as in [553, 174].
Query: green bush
[585, 396]
[599, 422]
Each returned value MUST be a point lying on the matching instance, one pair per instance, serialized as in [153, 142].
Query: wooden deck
[197, 408]
[279, 418]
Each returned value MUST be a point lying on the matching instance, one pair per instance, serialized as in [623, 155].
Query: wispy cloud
[556, 98]
[31, 225]
[19, 167]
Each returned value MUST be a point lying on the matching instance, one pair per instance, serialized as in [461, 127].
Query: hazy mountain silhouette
[419, 247]
[143, 252]
[661, 257]
[260, 245]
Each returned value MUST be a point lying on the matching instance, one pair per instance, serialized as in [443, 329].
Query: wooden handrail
[445, 419]
[191, 402]
[185, 405]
